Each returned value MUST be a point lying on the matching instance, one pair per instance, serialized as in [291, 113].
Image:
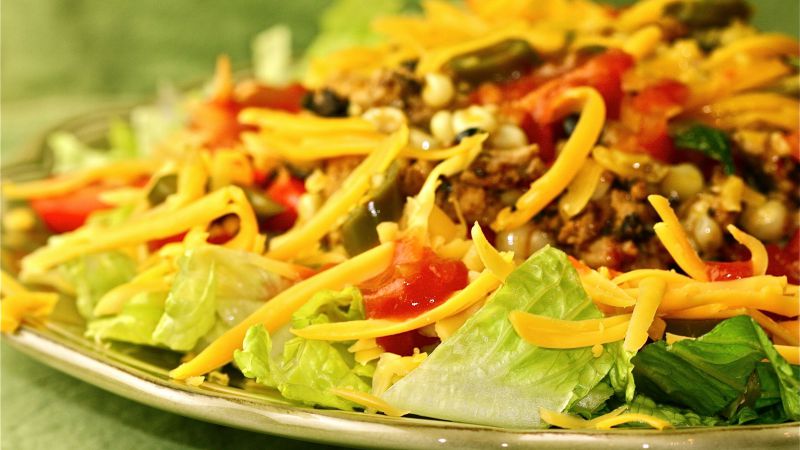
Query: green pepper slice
[385, 205]
[494, 63]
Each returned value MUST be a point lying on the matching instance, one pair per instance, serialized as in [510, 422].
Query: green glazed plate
[140, 374]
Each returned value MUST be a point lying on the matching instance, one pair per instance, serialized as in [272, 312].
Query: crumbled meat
[413, 176]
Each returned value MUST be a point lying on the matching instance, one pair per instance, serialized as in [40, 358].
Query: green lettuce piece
[95, 274]
[330, 306]
[486, 374]
[710, 374]
[70, 153]
[309, 368]
[215, 289]
[135, 323]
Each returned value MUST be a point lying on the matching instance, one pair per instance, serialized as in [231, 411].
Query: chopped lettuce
[135, 323]
[676, 416]
[70, 153]
[308, 368]
[713, 373]
[95, 274]
[272, 55]
[486, 374]
[214, 286]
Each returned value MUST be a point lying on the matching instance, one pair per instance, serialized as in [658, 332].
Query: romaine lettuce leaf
[135, 323]
[710, 374]
[70, 153]
[214, 285]
[308, 368]
[94, 275]
[486, 374]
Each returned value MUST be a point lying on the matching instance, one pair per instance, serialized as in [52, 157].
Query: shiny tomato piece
[724, 271]
[603, 72]
[289, 98]
[416, 281]
[403, 344]
[785, 261]
[68, 212]
[285, 190]
[647, 115]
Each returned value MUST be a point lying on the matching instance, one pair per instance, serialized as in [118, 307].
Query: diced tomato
[156, 244]
[68, 212]
[217, 118]
[603, 72]
[285, 190]
[793, 140]
[416, 281]
[785, 261]
[725, 271]
[403, 344]
[646, 116]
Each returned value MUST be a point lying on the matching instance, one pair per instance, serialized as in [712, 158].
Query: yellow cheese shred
[421, 206]
[115, 299]
[392, 367]
[643, 42]
[761, 45]
[500, 265]
[303, 124]
[547, 332]
[371, 328]
[773, 327]
[672, 236]
[229, 200]
[758, 253]
[604, 422]
[64, 184]
[446, 327]
[580, 190]
[18, 303]
[368, 401]
[292, 244]
[651, 293]
[567, 164]
[604, 291]
[278, 311]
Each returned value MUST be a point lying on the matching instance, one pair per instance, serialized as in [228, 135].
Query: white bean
[508, 136]
[682, 181]
[438, 90]
[385, 118]
[766, 221]
[707, 234]
[474, 117]
[442, 127]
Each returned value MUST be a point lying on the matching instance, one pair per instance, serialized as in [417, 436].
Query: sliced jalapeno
[163, 188]
[385, 204]
[703, 14]
[495, 63]
[263, 206]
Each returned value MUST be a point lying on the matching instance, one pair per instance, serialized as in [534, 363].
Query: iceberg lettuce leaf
[96, 274]
[308, 368]
[486, 374]
[135, 323]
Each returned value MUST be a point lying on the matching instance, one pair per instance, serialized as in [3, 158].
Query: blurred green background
[62, 57]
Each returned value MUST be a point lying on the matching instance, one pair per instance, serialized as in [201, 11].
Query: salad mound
[520, 214]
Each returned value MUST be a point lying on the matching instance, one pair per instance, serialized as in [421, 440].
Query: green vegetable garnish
[708, 141]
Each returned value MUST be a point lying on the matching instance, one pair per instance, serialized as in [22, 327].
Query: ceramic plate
[140, 374]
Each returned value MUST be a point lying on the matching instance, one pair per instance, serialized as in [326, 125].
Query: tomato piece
[785, 261]
[285, 190]
[415, 282]
[793, 140]
[725, 271]
[646, 116]
[68, 212]
[403, 344]
[603, 73]
[289, 98]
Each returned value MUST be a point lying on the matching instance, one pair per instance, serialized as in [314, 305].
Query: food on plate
[509, 213]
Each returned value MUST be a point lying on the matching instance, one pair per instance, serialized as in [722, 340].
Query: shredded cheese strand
[368, 401]
[500, 265]
[372, 328]
[652, 291]
[758, 253]
[308, 234]
[53, 187]
[672, 236]
[567, 164]
[278, 311]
